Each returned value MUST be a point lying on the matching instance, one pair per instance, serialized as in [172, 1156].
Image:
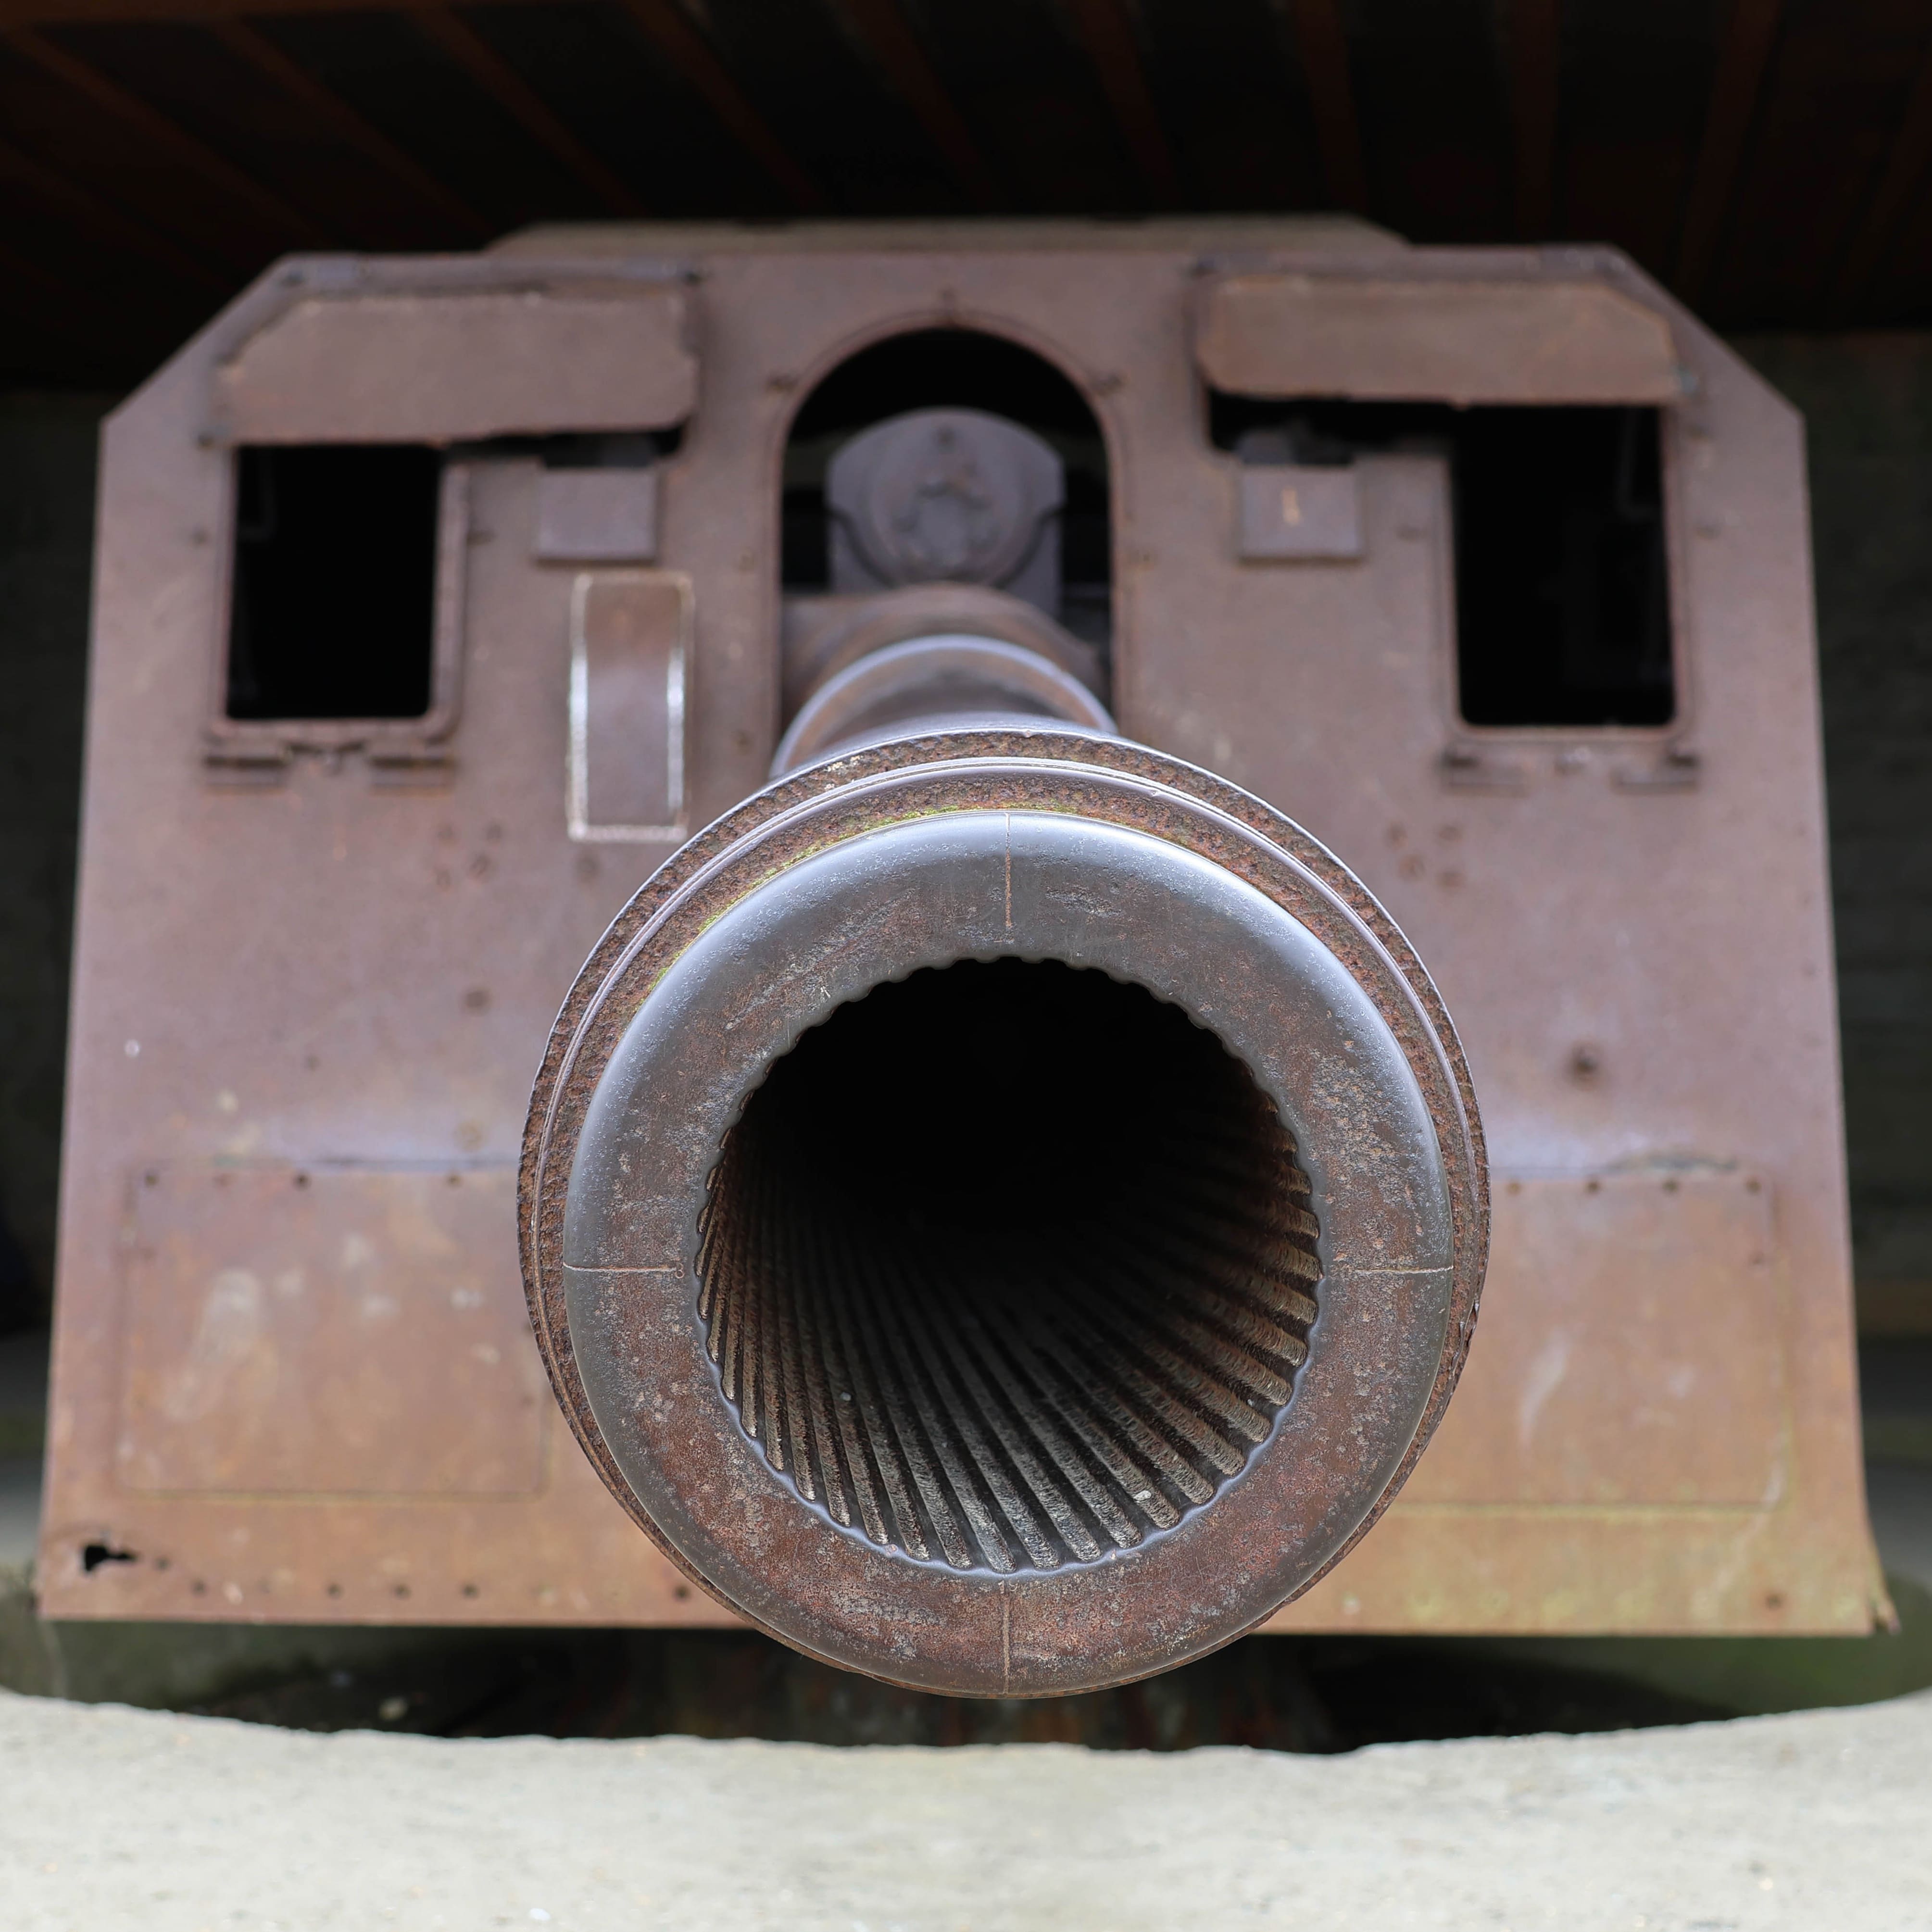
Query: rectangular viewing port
[333, 600]
[1562, 577]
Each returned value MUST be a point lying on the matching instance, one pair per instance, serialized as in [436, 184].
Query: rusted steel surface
[823, 636]
[937, 680]
[1646, 1307]
[319, 944]
[1642, 1304]
[368, 1349]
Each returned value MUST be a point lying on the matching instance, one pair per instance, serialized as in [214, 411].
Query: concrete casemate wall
[46, 533]
[1867, 403]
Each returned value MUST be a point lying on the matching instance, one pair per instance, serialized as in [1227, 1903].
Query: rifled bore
[1008, 1266]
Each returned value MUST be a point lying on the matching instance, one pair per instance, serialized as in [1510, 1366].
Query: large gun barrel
[1004, 1209]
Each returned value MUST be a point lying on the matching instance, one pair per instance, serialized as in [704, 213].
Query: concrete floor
[118, 1819]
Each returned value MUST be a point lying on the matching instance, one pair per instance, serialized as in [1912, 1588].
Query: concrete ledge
[119, 1819]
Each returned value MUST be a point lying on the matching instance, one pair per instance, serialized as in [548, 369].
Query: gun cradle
[1003, 1207]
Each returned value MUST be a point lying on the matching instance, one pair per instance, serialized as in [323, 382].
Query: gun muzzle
[1004, 1209]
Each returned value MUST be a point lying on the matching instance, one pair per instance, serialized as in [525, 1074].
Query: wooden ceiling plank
[183, 12]
[104, 222]
[1107, 35]
[1534, 32]
[679, 41]
[1904, 175]
[1742, 62]
[497, 79]
[250, 44]
[881, 29]
[1323, 46]
[88, 80]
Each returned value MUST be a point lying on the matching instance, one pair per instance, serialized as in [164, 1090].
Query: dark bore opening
[1008, 1266]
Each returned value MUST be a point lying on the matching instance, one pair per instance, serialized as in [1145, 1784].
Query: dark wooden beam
[104, 223]
[156, 128]
[187, 12]
[1534, 31]
[1741, 62]
[1107, 35]
[250, 44]
[1904, 175]
[881, 29]
[1323, 48]
[687, 51]
[501, 81]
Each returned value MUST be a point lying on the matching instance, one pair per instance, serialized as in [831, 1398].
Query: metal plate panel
[434, 367]
[1293, 510]
[1629, 1350]
[630, 634]
[334, 1331]
[1460, 342]
[597, 516]
[1584, 1571]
